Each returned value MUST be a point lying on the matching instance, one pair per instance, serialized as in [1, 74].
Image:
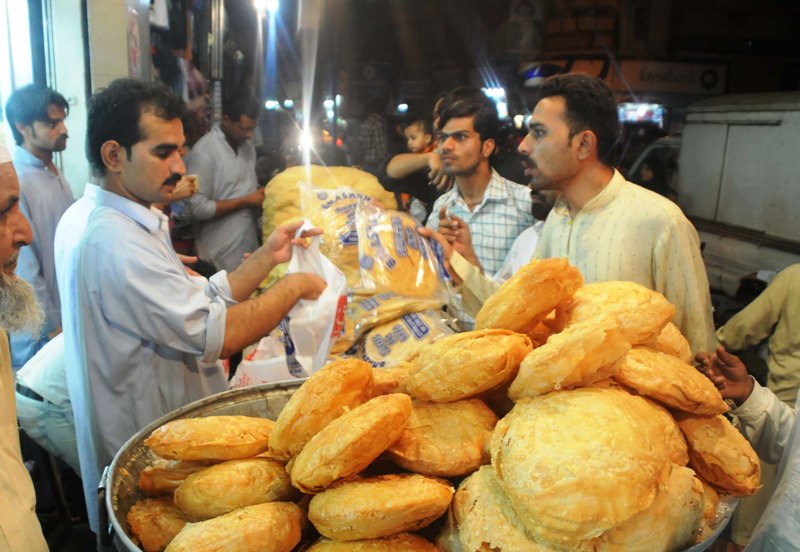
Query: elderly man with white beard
[19, 528]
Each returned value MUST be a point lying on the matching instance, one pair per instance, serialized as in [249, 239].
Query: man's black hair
[115, 112]
[242, 104]
[590, 105]
[468, 101]
[29, 104]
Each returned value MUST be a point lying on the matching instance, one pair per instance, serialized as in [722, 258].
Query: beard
[19, 309]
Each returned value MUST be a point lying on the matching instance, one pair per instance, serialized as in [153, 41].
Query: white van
[736, 170]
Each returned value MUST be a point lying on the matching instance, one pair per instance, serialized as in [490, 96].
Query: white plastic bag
[311, 327]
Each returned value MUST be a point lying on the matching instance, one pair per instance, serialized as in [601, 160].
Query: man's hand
[728, 373]
[447, 250]
[279, 244]
[456, 231]
[309, 286]
[256, 199]
[187, 260]
[436, 174]
[186, 187]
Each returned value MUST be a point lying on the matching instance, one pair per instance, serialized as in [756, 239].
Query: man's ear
[113, 155]
[23, 128]
[587, 144]
[487, 147]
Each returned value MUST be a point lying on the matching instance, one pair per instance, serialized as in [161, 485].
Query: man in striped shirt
[609, 228]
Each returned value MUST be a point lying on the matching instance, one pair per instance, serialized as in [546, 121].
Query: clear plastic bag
[399, 340]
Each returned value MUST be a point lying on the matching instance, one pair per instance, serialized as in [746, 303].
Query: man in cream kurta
[19, 528]
[609, 228]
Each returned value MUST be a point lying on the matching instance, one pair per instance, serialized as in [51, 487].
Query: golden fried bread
[340, 386]
[677, 450]
[466, 364]
[154, 522]
[710, 505]
[529, 295]
[379, 506]
[399, 340]
[211, 438]
[579, 355]
[403, 542]
[167, 475]
[669, 523]
[231, 485]
[672, 342]
[720, 454]
[642, 313]
[670, 381]
[446, 440]
[268, 527]
[484, 518]
[351, 442]
[393, 256]
[391, 379]
[577, 463]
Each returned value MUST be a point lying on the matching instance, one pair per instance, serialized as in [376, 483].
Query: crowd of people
[109, 329]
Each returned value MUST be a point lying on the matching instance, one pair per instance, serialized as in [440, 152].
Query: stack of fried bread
[601, 438]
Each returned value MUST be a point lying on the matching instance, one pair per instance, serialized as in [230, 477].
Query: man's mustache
[174, 179]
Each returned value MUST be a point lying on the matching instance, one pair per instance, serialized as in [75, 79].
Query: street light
[264, 6]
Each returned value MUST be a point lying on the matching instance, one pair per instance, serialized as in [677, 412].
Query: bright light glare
[271, 105]
[328, 104]
[330, 114]
[288, 104]
[272, 6]
[402, 108]
[264, 6]
[497, 94]
[502, 110]
[338, 100]
[305, 141]
[519, 120]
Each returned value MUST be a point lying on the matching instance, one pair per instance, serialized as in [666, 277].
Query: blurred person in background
[36, 116]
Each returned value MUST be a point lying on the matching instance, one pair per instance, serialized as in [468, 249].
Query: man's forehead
[9, 184]
[55, 111]
[158, 129]
[548, 110]
[458, 124]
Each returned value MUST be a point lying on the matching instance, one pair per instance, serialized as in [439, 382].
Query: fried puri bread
[576, 463]
[379, 506]
[466, 364]
[391, 379]
[403, 542]
[579, 355]
[531, 294]
[339, 387]
[268, 527]
[671, 522]
[720, 454]
[672, 342]
[154, 522]
[213, 438]
[231, 485]
[446, 440]
[351, 442]
[642, 313]
[393, 256]
[399, 340]
[484, 518]
[669, 381]
[167, 475]
[710, 504]
[677, 450]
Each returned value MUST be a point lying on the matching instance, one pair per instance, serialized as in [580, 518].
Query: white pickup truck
[736, 170]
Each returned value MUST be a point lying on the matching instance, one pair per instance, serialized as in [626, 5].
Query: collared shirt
[771, 427]
[774, 314]
[223, 174]
[625, 233]
[521, 252]
[502, 215]
[19, 527]
[135, 325]
[44, 196]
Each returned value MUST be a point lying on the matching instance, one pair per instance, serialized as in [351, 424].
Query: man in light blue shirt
[137, 326]
[228, 201]
[36, 116]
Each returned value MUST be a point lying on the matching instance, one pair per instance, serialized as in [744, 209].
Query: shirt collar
[603, 198]
[151, 219]
[495, 190]
[24, 157]
[217, 131]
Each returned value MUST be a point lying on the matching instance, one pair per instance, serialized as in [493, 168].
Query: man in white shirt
[138, 329]
[36, 116]
[610, 229]
[19, 528]
[228, 201]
